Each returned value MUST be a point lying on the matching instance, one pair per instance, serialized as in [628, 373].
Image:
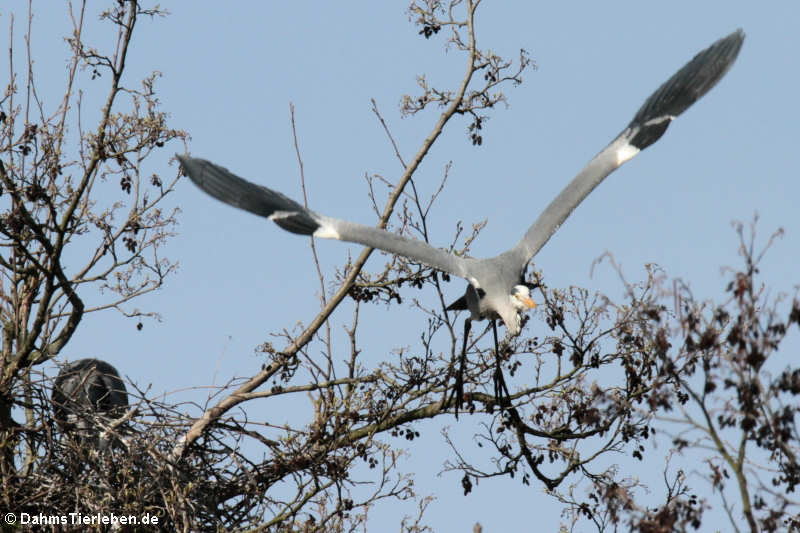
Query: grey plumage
[496, 285]
[85, 392]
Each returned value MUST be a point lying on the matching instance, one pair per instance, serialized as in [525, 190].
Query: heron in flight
[496, 286]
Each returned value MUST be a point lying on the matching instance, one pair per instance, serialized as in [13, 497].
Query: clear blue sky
[230, 72]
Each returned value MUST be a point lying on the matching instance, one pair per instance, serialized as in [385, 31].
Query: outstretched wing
[225, 186]
[674, 96]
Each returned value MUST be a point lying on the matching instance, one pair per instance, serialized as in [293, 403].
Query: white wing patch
[325, 231]
[626, 152]
[658, 120]
[277, 215]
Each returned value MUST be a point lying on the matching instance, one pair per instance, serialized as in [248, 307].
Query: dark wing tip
[684, 88]
[227, 187]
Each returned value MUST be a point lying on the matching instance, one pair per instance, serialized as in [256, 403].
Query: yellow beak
[528, 302]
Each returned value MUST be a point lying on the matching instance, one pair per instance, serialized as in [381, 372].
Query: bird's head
[521, 298]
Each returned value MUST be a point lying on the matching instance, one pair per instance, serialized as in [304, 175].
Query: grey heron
[496, 286]
[85, 390]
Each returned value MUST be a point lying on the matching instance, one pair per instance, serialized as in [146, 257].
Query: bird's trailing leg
[458, 390]
[501, 394]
